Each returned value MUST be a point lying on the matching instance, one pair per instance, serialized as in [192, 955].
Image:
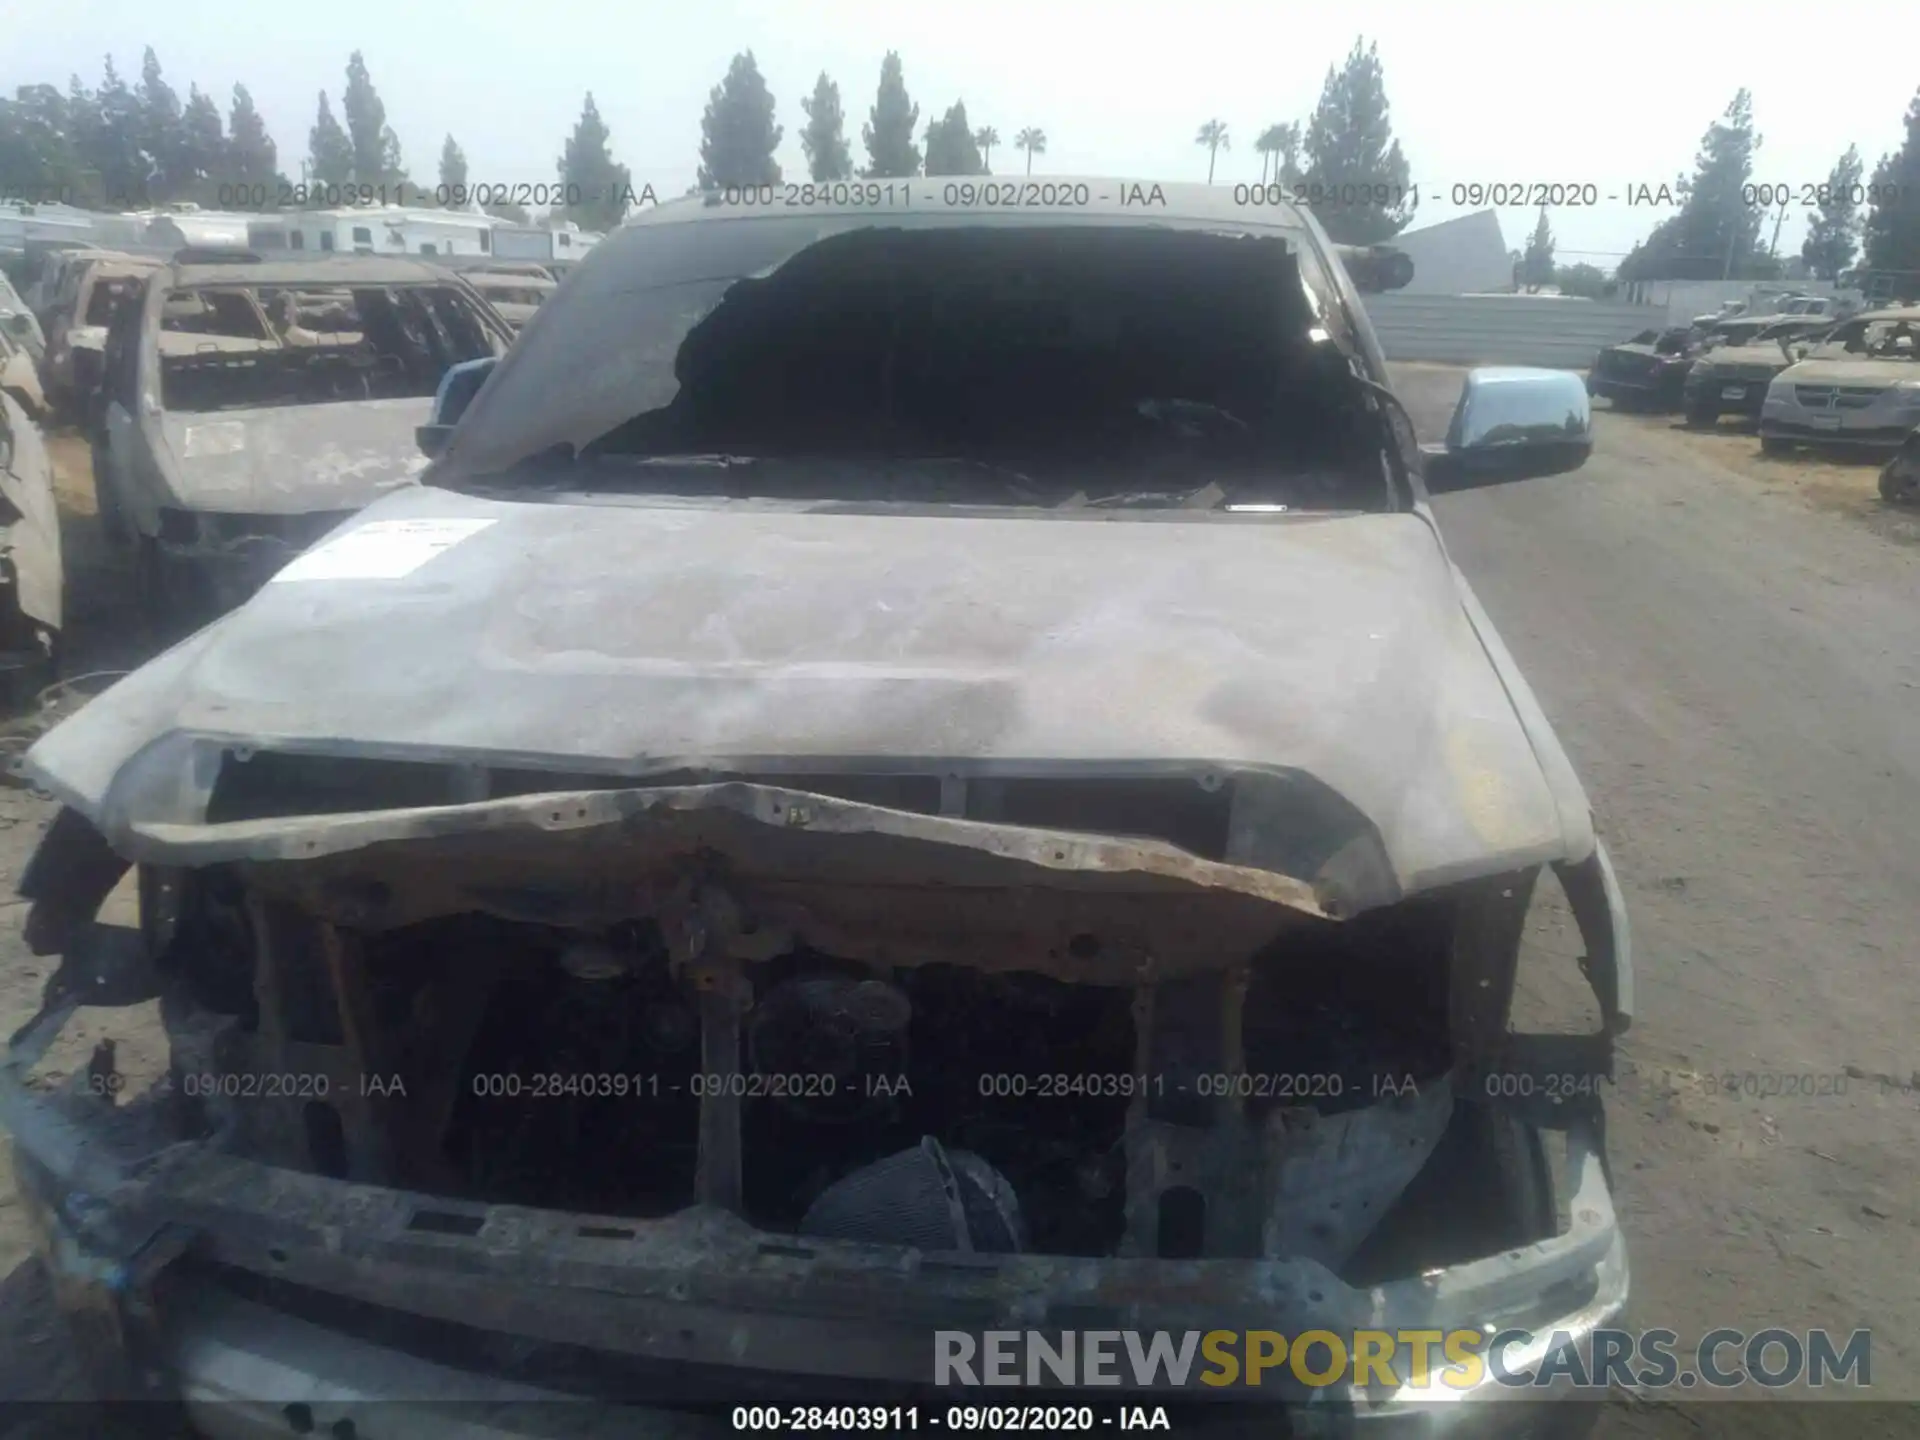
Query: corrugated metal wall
[1503, 329]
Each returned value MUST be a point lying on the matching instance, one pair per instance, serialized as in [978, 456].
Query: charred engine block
[1278, 1106]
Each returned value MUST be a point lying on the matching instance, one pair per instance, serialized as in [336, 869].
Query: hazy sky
[1613, 94]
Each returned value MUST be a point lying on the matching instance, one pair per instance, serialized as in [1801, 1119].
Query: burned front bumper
[255, 1289]
[167, 1253]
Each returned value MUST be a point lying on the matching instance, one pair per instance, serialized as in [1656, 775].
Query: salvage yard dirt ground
[1729, 646]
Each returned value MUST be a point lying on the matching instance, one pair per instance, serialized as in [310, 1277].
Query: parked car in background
[19, 375]
[516, 297]
[1648, 372]
[1729, 310]
[1860, 387]
[1823, 306]
[19, 324]
[90, 287]
[249, 408]
[32, 576]
[1731, 378]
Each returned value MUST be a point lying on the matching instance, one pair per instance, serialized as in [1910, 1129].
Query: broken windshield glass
[1033, 363]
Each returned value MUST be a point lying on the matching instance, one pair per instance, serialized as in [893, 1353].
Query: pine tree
[1715, 234]
[163, 140]
[253, 160]
[1833, 239]
[888, 133]
[39, 154]
[737, 133]
[376, 149]
[1352, 157]
[329, 151]
[119, 151]
[85, 133]
[203, 146]
[587, 169]
[1893, 221]
[453, 175]
[824, 141]
[1536, 265]
[951, 148]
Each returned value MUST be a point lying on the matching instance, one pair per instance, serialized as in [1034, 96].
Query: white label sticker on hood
[380, 550]
[220, 437]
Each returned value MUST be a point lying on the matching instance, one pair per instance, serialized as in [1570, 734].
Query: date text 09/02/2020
[544, 195]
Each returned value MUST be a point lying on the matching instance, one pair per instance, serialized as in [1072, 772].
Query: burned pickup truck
[904, 769]
[248, 408]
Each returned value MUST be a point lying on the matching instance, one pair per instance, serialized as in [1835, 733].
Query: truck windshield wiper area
[916, 480]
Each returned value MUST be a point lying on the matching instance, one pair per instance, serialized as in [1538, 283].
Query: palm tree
[1281, 145]
[1032, 140]
[986, 137]
[1213, 135]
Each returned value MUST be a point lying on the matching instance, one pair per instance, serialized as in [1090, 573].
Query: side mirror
[1512, 424]
[17, 323]
[457, 389]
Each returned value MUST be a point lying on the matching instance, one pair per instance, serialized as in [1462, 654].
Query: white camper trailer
[542, 243]
[373, 230]
[186, 225]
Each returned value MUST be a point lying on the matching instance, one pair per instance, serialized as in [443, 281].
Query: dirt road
[1730, 650]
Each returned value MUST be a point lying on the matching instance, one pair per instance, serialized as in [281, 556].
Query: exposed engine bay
[724, 1006]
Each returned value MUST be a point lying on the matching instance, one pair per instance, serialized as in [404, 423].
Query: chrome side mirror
[1512, 424]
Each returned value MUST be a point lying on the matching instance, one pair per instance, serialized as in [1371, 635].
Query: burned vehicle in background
[1859, 388]
[32, 573]
[92, 286]
[248, 408]
[515, 297]
[19, 374]
[18, 324]
[1731, 377]
[904, 768]
[515, 288]
[1648, 372]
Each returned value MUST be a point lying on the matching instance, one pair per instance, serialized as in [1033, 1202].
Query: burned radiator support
[707, 938]
[725, 994]
[1192, 1165]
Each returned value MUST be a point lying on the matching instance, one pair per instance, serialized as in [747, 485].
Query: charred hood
[1317, 682]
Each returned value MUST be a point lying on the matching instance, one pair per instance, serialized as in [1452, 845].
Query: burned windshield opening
[1028, 364]
[240, 347]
